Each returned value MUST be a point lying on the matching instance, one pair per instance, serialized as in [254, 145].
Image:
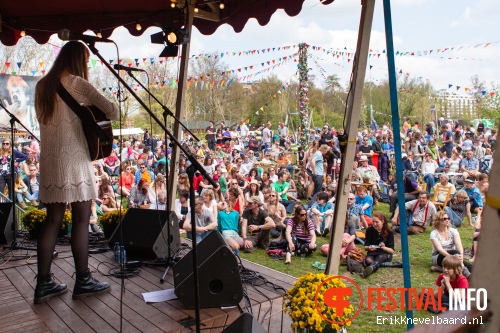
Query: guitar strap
[82, 114]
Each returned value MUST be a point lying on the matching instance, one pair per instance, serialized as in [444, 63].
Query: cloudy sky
[463, 28]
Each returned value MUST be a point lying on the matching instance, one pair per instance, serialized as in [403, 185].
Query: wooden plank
[218, 321]
[5, 317]
[20, 325]
[45, 312]
[19, 318]
[275, 315]
[38, 326]
[112, 300]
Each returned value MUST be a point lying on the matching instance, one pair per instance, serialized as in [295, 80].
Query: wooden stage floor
[102, 313]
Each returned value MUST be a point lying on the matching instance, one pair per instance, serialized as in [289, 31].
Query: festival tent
[41, 19]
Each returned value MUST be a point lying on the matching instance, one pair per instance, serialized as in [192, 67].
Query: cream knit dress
[66, 172]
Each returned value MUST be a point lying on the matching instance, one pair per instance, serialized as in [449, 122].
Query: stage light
[221, 4]
[171, 38]
[23, 33]
[138, 26]
[98, 34]
[173, 4]
[170, 51]
[196, 9]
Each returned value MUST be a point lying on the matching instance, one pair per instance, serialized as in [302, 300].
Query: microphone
[65, 34]
[127, 69]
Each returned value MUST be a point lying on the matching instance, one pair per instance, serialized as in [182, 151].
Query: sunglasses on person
[143, 167]
[446, 219]
[5, 143]
[272, 195]
[32, 169]
[303, 214]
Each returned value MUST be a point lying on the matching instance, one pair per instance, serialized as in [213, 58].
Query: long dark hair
[296, 214]
[72, 58]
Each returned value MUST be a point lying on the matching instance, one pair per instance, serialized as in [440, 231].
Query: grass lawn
[420, 261]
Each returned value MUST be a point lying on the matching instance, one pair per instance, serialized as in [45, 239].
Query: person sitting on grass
[445, 241]
[365, 201]
[458, 208]
[300, 235]
[255, 226]
[205, 221]
[450, 280]
[227, 224]
[475, 238]
[322, 214]
[476, 201]
[347, 239]
[419, 214]
[379, 244]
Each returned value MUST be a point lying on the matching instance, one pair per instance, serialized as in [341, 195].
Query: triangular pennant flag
[41, 63]
[19, 64]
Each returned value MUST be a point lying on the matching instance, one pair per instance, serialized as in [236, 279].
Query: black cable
[253, 278]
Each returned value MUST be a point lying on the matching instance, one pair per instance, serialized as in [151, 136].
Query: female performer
[66, 173]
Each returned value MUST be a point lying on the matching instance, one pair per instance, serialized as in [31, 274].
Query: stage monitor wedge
[145, 233]
[6, 223]
[218, 275]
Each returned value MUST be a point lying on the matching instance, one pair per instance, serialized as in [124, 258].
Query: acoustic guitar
[99, 146]
[96, 127]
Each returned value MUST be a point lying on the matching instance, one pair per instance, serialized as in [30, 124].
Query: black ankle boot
[86, 285]
[395, 264]
[371, 269]
[46, 288]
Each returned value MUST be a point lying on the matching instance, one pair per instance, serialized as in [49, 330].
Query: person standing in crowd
[66, 177]
[447, 140]
[5, 163]
[282, 133]
[266, 136]
[210, 135]
[317, 167]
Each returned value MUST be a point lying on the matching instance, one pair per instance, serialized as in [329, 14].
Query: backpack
[354, 266]
[355, 260]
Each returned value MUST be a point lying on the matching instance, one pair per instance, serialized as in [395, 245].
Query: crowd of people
[267, 191]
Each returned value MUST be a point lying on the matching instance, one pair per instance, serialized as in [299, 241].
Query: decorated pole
[303, 94]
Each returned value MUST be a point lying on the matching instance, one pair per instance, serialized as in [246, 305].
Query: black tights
[378, 258]
[79, 235]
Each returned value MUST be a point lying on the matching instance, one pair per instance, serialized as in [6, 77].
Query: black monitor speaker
[145, 233]
[245, 323]
[6, 223]
[218, 275]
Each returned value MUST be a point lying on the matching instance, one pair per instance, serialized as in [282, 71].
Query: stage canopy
[41, 19]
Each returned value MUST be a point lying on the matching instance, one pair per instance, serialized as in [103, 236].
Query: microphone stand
[169, 261]
[15, 227]
[194, 164]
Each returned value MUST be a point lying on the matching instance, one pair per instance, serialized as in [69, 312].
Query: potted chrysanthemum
[305, 304]
[110, 221]
[32, 222]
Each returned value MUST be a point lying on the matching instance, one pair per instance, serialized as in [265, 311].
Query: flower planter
[108, 230]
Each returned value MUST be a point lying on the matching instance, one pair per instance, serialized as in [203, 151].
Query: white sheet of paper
[159, 296]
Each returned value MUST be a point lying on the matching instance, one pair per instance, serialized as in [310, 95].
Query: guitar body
[98, 148]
